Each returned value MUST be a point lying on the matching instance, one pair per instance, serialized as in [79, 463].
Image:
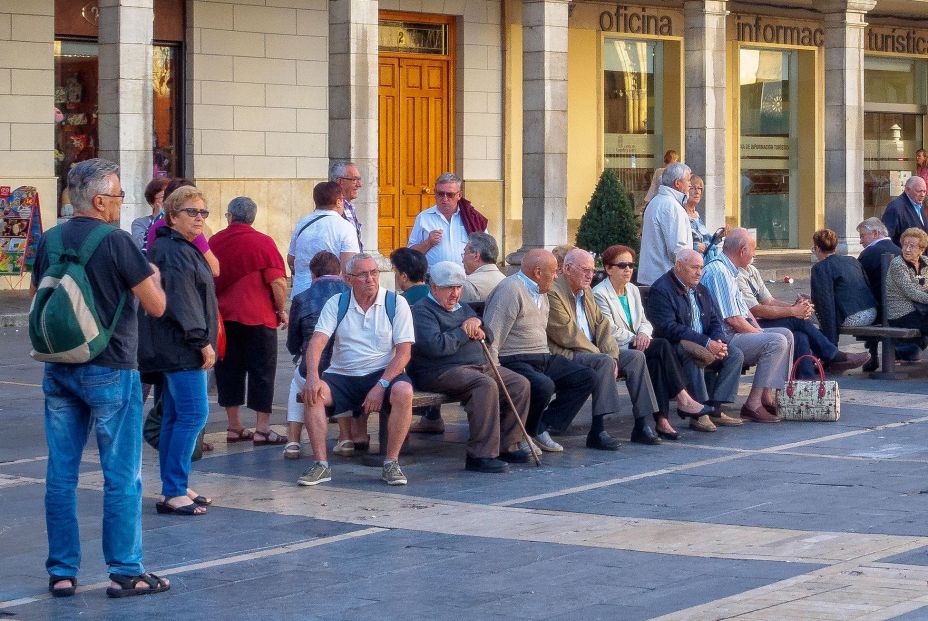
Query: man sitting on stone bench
[448, 358]
[372, 340]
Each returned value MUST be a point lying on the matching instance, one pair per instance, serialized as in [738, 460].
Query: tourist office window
[77, 103]
[769, 146]
[632, 111]
[895, 96]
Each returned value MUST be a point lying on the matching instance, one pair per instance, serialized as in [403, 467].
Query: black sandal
[127, 585]
[203, 501]
[62, 591]
[164, 508]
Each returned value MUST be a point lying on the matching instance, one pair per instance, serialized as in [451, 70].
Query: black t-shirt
[116, 267]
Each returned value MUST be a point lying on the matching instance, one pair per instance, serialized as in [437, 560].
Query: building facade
[797, 114]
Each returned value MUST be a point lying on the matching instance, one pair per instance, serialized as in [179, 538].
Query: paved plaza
[762, 522]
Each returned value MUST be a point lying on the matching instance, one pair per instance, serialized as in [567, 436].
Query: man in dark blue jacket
[448, 358]
[680, 309]
[906, 210]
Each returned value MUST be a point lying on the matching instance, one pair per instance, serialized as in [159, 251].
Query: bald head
[541, 267]
[739, 246]
[915, 189]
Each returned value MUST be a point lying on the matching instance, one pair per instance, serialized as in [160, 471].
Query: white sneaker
[545, 443]
[526, 446]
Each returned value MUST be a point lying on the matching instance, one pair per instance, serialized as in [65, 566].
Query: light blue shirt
[582, 321]
[720, 277]
[456, 308]
[694, 307]
[532, 287]
[917, 208]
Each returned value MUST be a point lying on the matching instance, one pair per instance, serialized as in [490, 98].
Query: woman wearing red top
[252, 293]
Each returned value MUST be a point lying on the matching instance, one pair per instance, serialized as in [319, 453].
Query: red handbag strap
[821, 375]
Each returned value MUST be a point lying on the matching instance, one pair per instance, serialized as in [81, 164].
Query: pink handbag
[809, 400]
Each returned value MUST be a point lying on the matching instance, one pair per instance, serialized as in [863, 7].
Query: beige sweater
[518, 325]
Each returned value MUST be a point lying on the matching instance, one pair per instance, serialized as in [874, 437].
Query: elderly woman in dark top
[906, 292]
[840, 292]
[181, 345]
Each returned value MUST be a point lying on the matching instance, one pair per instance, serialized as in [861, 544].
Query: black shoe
[872, 365]
[485, 464]
[706, 409]
[521, 456]
[602, 441]
[668, 435]
[643, 434]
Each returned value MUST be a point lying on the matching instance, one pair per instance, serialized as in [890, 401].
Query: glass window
[632, 110]
[769, 146]
[895, 80]
[890, 142]
[165, 124]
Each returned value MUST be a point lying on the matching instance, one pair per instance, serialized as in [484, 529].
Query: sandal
[207, 447]
[195, 508]
[202, 501]
[293, 450]
[127, 585]
[62, 591]
[270, 437]
[238, 435]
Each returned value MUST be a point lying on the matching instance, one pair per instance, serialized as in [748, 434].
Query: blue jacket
[670, 312]
[899, 216]
[839, 289]
[870, 259]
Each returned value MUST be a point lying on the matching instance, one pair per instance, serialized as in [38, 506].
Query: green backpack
[63, 321]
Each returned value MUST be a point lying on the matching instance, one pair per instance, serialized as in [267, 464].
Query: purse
[700, 355]
[809, 400]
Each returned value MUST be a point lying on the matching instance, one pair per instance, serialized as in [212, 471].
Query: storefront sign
[896, 40]
[636, 20]
[761, 29]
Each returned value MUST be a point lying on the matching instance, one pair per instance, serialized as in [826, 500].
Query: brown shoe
[724, 420]
[846, 362]
[425, 425]
[702, 424]
[760, 415]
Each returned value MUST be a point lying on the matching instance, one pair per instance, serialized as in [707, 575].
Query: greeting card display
[20, 229]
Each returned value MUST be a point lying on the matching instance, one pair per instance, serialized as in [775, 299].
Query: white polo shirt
[365, 342]
[331, 232]
[452, 241]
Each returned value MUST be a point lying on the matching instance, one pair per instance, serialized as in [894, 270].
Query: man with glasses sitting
[441, 232]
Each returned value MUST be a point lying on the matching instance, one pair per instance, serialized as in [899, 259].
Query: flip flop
[241, 435]
[127, 585]
[62, 591]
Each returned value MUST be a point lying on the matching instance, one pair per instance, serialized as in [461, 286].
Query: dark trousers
[550, 374]
[251, 351]
[666, 375]
[807, 339]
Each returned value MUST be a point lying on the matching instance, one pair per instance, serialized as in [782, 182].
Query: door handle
[425, 189]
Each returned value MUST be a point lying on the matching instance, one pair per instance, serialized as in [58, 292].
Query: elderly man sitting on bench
[448, 357]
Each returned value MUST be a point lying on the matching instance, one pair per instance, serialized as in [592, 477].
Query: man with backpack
[372, 333]
[83, 326]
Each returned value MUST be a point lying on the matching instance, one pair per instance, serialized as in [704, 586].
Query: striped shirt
[720, 278]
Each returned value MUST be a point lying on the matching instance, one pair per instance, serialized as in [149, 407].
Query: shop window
[890, 142]
[895, 80]
[769, 141]
[77, 102]
[632, 111]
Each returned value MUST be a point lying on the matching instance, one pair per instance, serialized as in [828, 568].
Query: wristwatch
[383, 382]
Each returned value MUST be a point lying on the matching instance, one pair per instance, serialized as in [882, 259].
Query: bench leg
[888, 363]
[383, 435]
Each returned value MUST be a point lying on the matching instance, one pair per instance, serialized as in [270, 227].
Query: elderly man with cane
[448, 357]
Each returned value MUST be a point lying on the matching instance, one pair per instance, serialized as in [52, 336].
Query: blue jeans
[77, 398]
[185, 411]
[807, 339]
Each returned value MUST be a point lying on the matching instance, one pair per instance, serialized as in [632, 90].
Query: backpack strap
[309, 224]
[92, 242]
[343, 300]
[390, 303]
[53, 245]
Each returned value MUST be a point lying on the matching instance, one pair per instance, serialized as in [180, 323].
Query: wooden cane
[515, 412]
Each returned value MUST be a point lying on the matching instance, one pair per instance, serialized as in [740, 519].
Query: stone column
[125, 110]
[844, 118]
[544, 125]
[706, 120]
[353, 113]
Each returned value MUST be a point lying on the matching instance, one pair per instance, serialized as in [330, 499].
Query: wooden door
[416, 140]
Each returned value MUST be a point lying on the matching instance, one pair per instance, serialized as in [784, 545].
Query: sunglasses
[445, 194]
[193, 213]
[622, 266]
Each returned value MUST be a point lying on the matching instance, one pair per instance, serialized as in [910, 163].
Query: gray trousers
[606, 392]
[724, 376]
[771, 351]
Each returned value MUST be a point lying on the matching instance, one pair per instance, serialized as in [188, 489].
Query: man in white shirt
[439, 232]
[666, 227]
[348, 178]
[370, 351]
[323, 229]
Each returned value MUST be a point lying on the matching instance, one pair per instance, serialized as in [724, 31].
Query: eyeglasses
[622, 265]
[371, 275]
[588, 271]
[445, 194]
[122, 194]
[193, 213]
[352, 179]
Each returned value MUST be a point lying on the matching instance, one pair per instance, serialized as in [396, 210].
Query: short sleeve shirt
[115, 268]
[331, 232]
[752, 287]
[365, 341]
[453, 239]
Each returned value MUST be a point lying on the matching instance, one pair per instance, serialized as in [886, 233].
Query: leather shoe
[845, 362]
[643, 434]
[724, 420]
[702, 424]
[602, 441]
[760, 415]
[872, 365]
[521, 456]
[668, 435]
[544, 442]
[485, 464]
[706, 409]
